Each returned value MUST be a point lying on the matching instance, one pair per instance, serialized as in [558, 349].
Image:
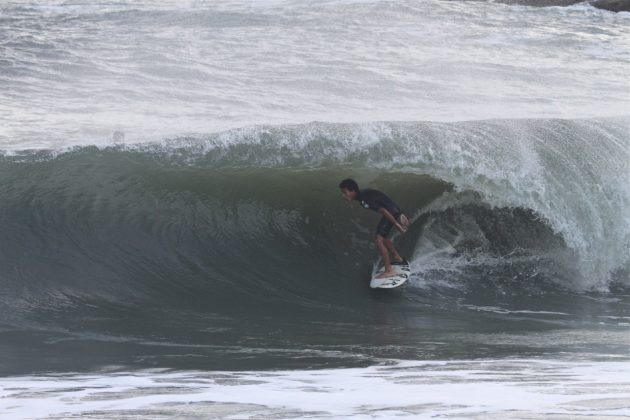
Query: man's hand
[403, 225]
[401, 228]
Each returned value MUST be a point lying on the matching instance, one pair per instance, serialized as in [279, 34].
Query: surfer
[392, 217]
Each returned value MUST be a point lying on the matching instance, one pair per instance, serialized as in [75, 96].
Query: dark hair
[349, 184]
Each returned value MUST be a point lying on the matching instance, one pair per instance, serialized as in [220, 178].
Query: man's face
[348, 194]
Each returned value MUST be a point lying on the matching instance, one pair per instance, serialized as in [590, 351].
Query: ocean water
[174, 243]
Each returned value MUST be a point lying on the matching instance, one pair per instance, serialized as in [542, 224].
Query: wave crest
[257, 209]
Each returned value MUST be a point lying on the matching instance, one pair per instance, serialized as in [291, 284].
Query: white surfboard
[402, 275]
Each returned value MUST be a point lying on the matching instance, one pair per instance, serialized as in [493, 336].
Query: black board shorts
[385, 226]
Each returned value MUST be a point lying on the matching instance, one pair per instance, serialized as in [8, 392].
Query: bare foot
[386, 274]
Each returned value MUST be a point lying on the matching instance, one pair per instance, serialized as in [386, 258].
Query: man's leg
[382, 249]
[390, 245]
[402, 219]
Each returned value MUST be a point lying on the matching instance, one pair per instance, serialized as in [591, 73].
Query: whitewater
[174, 242]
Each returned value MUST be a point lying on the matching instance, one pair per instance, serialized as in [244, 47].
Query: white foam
[507, 311]
[409, 389]
[204, 67]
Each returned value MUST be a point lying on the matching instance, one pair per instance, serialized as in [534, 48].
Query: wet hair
[349, 184]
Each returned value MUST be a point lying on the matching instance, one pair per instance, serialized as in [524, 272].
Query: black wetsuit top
[375, 200]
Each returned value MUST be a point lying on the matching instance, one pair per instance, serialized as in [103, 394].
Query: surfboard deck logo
[402, 272]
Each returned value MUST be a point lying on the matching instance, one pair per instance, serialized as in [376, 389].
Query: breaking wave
[254, 215]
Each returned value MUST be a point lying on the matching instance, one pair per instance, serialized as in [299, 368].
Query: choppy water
[168, 196]
[491, 389]
[76, 72]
